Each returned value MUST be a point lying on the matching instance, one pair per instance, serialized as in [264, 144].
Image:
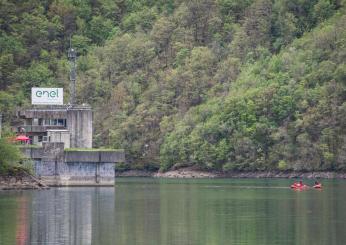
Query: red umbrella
[22, 138]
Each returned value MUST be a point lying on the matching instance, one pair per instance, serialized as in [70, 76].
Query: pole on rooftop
[72, 57]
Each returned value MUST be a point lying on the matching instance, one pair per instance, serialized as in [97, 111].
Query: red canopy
[22, 138]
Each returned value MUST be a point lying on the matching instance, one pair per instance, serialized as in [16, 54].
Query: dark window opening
[55, 122]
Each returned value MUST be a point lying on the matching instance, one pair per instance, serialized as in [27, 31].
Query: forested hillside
[222, 84]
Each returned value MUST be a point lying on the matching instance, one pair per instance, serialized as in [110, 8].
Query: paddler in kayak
[317, 185]
[299, 185]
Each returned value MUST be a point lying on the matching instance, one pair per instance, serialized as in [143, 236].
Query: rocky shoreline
[195, 173]
[20, 181]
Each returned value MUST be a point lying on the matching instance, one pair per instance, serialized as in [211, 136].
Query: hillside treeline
[219, 84]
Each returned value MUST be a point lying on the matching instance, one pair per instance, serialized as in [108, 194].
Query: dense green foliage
[223, 84]
[9, 156]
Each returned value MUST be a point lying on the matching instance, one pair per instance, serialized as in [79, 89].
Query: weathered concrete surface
[94, 156]
[79, 123]
[82, 156]
[60, 173]
[32, 153]
[49, 150]
[112, 156]
[77, 181]
[52, 112]
[53, 151]
[59, 135]
[68, 168]
[37, 128]
[75, 173]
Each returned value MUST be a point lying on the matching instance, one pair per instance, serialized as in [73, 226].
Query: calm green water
[195, 212]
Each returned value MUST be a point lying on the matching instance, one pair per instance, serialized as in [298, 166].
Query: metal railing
[38, 128]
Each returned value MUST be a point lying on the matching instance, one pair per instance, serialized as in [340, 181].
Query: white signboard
[47, 96]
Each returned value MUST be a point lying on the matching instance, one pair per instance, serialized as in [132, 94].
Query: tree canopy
[221, 84]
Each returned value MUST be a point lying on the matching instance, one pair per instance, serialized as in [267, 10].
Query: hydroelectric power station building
[60, 145]
[71, 125]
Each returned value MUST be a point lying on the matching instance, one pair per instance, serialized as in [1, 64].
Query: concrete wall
[59, 136]
[53, 112]
[33, 153]
[79, 123]
[75, 174]
[82, 156]
[95, 156]
[47, 151]
[73, 168]
[112, 156]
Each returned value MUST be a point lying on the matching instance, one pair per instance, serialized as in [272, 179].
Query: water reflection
[150, 212]
[22, 223]
[59, 216]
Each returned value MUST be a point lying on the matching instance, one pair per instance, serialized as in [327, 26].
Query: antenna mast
[72, 57]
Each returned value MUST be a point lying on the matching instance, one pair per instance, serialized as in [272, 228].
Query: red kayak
[299, 186]
[317, 186]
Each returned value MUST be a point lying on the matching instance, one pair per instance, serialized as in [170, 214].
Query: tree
[256, 30]
[161, 35]
[9, 155]
[99, 29]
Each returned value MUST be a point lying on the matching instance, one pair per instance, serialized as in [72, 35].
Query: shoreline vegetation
[14, 172]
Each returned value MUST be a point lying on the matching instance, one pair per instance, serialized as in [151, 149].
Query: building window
[55, 122]
[61, 122]
[40, 138]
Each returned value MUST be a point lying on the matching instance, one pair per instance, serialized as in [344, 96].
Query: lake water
[176, 212]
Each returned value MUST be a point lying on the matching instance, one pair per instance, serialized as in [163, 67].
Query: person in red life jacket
[297, 184]
[300, 184]
[317, 185]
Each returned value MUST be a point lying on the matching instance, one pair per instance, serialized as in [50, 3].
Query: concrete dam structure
[57, 166]
[58, 138]
[69, 124]
[61, 146]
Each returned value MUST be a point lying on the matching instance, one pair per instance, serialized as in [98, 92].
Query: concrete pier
[59, 167]
[61, 146]
[79, 123]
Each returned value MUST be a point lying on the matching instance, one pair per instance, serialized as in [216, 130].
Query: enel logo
[49, 94]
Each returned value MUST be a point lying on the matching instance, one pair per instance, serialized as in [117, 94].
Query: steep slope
[285, 111]
[215, 83]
